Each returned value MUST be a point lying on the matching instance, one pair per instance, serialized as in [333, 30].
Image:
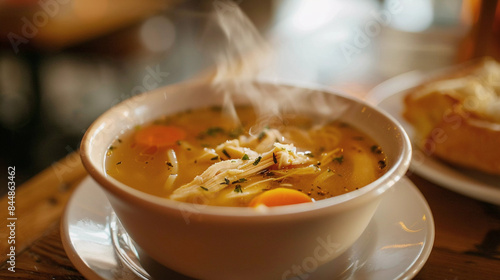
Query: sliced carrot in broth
[159, 135]
[280, 196]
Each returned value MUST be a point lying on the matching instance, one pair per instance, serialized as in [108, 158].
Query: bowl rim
[347, 200]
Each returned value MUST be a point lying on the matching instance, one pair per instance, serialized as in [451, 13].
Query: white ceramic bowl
[212, 242]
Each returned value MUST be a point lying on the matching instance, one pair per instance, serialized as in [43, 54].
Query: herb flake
[257, 160]
[240, 180]
[261, 135]
[339, 159]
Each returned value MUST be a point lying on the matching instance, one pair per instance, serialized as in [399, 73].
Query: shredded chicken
[209, 182]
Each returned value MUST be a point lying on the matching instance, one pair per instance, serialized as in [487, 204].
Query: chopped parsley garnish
[257, 160]
[213, 131]
[215, 158]
[241, 180]
[203, 188]
[236, 132]
[226, 182]
[245, 157]
[226, 153]
[275, 160]
[169, 163]
[339, 159]
[118, 163]
[261, 135]
[238, 189]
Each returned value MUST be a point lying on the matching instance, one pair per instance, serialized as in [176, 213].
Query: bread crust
[447, 130]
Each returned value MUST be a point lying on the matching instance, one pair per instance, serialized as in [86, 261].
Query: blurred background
[64, 62]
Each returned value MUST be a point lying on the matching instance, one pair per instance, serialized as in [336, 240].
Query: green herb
[309, 154]
[203, 188]
[241, 180]
[226, 182]
[215, 158]
[339, 159]
[118, 163]
[226, 153]
[169, 163]
[236, 132]
[257, 160]
[213, 131]
[238, 189]
[261, 135]
[275, 160]
[245, 157]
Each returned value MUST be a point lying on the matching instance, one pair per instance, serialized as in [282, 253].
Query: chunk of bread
[456, 116]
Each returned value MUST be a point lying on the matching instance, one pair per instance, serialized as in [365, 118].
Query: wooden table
[467, 242]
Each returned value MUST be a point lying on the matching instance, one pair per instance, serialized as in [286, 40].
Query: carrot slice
[159, 135]
[279, 196]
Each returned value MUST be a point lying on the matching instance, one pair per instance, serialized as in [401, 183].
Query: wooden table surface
[467, 240]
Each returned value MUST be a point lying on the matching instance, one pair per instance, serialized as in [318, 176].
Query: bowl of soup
[218, 189]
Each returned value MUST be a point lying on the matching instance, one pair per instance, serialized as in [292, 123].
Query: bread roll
[456, 116]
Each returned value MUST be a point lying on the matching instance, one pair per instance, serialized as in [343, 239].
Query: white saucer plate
[389, 97]
[395, 245]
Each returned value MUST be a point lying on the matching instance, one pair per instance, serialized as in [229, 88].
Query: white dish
[389, 96]
[395, 245]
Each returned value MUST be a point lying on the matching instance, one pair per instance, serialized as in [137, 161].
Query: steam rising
[242, 57]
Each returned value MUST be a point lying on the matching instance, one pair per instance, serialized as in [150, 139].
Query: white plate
[389, 96]
[395, 245]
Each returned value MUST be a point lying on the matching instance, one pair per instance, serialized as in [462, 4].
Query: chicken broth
[203, 156]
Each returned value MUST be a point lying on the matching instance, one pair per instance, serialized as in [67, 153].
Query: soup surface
[204, 156]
